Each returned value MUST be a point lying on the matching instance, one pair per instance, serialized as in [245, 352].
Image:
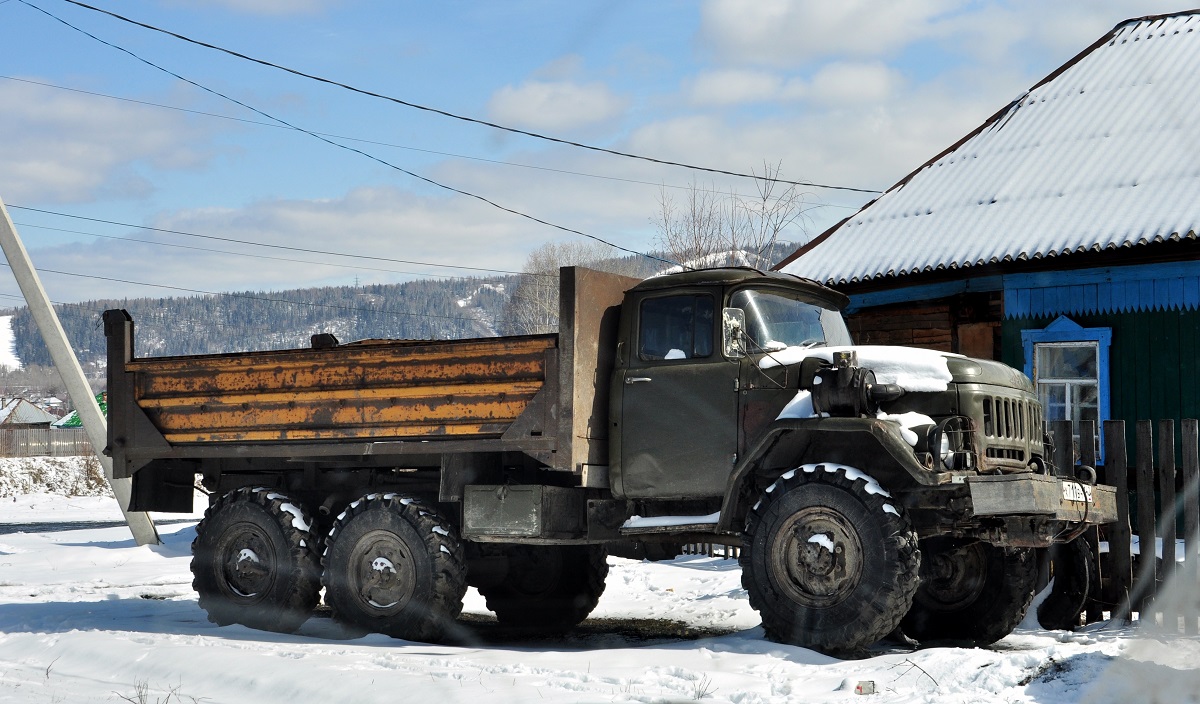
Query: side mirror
[733, 332]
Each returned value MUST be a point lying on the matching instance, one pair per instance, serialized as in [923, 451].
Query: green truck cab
[869, 488]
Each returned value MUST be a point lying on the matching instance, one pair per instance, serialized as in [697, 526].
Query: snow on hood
[910, 368]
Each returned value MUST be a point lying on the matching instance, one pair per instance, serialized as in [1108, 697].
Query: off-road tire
[548, 587]
[1074, 570]
[971, 593]
[255, 561]
[394, 565]
[835, 601]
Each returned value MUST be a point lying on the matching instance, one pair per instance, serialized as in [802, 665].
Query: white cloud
[783, 32]
[555, 105]
[62, 147]
[733, 87]
[854, 83]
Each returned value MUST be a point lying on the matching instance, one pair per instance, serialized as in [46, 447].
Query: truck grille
[1006, 453]
[1011, 418]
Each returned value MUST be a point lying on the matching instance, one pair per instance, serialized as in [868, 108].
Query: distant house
[72, 419]
[1060, 236]
[19, 413]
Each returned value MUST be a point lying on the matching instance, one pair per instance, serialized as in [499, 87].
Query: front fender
[872, 445]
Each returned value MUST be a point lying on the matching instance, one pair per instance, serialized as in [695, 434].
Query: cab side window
[676, 327]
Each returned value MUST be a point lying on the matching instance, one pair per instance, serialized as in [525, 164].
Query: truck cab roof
[728, 276]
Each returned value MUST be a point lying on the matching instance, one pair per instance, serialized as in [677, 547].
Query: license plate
[1074, 491]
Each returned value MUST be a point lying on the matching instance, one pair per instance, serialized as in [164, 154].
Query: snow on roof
[1100, 155]
[18, 410]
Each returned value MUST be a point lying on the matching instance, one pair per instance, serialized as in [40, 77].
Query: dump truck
[868, 488]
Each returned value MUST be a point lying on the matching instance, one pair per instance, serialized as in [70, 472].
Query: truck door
[679, 401]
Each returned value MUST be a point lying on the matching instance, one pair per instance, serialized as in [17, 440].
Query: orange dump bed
[382, 389]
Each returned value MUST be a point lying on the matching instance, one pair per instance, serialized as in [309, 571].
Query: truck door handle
[637, 379]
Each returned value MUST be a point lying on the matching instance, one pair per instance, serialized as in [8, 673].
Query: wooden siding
[1153, 367]
[966, 323]
[917, 325]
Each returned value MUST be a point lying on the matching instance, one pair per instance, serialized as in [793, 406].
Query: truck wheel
[255, 561]
[830, 562]
[971, 592]
[395, 566]
[548, 587]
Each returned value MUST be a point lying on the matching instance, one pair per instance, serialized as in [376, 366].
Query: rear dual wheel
[255, 561]
[394, 565]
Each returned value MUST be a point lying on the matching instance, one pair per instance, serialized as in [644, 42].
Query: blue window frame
[1069, 364]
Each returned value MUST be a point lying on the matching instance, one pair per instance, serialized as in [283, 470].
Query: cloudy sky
[854, 93]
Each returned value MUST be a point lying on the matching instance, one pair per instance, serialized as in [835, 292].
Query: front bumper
[1058, 498]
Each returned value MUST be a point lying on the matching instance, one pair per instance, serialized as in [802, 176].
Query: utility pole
[94, 422]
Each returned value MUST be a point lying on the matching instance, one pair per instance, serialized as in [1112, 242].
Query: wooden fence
[1154, 501]
[44, 442]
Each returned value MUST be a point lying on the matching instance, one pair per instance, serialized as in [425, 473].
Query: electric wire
[353, 267]
[326, 140]
[453, 155]
[444, 113]
[272, 246]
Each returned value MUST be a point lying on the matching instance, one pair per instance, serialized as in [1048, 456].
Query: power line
[445, 113]
[343, 146]
[260, 123]
[354, 267]
[269, 246]
[253, 298]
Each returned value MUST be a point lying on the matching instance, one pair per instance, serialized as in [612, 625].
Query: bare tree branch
[713, 228]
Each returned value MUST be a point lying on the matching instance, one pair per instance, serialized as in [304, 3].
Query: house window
[1068, 380]
[1069, 364]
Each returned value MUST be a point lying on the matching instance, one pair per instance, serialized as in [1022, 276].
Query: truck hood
[912, 368]
[968, 370]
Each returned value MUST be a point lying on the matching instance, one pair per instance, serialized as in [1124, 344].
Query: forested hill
[426, 309]
[254, 320]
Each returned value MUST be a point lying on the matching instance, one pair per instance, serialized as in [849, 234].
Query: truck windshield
[775, 321]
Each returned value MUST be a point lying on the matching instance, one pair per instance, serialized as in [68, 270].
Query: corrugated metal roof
[18, 411]
[1101, 154]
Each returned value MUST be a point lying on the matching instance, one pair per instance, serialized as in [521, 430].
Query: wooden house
[19, 413]
[1060, 236]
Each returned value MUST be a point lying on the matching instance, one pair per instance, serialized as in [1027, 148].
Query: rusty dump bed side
[542, 395]
[404, 390]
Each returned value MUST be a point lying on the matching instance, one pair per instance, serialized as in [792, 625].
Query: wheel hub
[247, 568]
[955, 577]
[383, 574]
[817, 559]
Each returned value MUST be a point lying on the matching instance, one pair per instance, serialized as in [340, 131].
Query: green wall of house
[1153, 362]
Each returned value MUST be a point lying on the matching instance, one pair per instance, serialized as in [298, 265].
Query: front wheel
[830, 560]
[395, 566]
[971, 593]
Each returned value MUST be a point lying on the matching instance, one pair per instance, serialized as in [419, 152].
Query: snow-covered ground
[87, 616]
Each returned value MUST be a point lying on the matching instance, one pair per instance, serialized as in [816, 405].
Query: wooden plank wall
[1154, 367]
[925, 325]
